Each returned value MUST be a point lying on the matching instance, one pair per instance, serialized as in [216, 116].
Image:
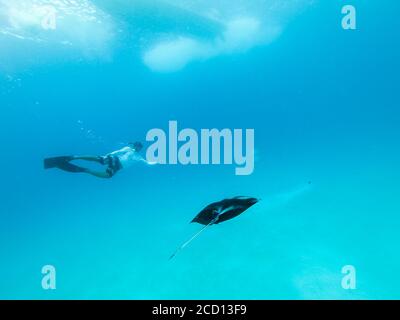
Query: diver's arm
[150, 163]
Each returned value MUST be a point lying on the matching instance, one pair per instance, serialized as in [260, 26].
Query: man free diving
[113, 162]
[188, 153]
[214, 140]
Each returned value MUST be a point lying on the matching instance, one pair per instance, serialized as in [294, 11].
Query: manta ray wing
[209, 213]
[224, 210]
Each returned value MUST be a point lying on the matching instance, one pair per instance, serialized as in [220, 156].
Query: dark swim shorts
[114, 165]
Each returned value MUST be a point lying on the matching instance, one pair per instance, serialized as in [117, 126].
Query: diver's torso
[127, 156]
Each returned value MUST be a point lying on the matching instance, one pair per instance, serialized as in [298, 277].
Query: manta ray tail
[191, 239]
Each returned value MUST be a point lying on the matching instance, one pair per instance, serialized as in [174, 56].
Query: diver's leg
[113, 163]
[90, 158]
[62, 163]
[99, 174]
[97, 159]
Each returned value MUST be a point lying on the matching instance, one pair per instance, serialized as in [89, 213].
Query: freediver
[115, 161]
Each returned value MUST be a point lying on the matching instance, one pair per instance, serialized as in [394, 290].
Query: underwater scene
[199, 149]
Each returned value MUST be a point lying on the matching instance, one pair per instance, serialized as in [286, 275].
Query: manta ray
[218, 212]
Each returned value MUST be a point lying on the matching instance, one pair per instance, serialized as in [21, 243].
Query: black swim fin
[63, 164]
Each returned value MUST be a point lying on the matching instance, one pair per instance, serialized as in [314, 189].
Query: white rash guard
[127, 156]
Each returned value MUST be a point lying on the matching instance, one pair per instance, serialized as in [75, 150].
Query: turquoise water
[323, 102]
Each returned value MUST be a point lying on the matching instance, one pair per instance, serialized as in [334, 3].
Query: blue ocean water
[323, 102]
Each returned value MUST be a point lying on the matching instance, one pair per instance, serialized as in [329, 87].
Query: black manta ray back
[224, 210]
